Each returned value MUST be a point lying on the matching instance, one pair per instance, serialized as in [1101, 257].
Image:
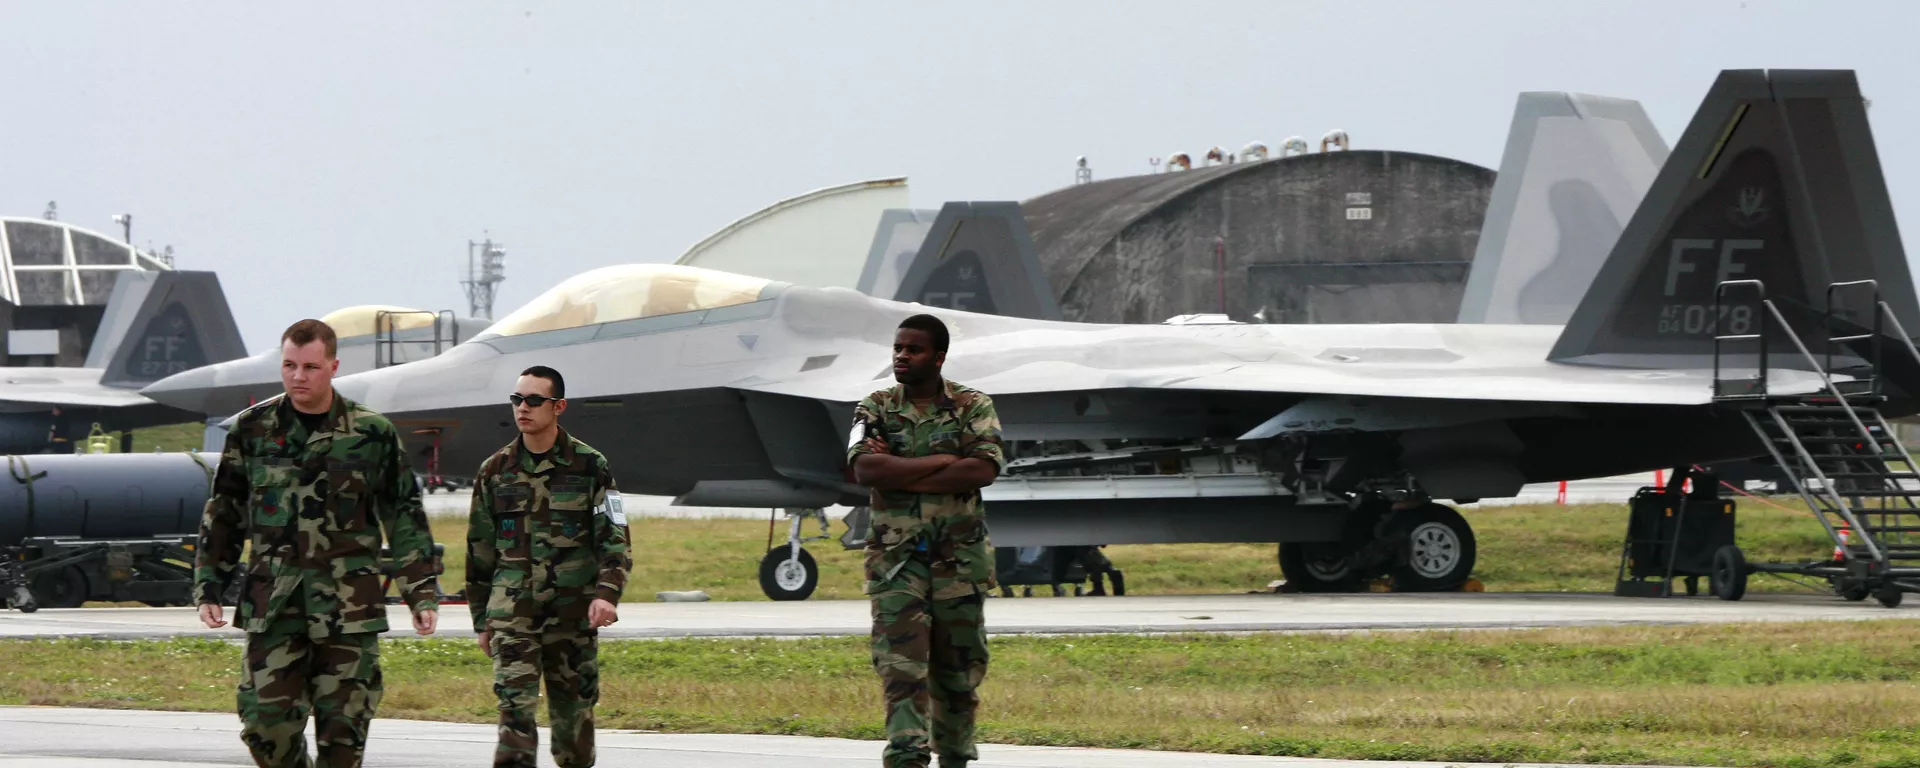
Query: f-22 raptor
[1754, 305]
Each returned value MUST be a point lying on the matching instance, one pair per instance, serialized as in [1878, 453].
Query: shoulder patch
[614, 509]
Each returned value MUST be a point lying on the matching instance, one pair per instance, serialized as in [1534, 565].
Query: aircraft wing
[45, 386]
[1432, 362]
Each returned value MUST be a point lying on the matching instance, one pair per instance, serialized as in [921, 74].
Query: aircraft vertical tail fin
[160, 323]
[895, 243]
[979, 257]
[1776, 179]
[1574, 168]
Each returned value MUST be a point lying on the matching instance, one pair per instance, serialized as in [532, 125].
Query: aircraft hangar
[55, 279]
[1343, 236]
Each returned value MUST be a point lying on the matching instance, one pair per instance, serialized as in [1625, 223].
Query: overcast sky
[310, 154]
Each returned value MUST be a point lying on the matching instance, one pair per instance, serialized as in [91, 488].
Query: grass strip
[1767, 694]
[1531, 548]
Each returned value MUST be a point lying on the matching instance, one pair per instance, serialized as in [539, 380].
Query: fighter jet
[1730, 299]
[369, 336]
[155, 323]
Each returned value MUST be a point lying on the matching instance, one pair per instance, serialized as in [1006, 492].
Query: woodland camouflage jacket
[314, 506]
[951, 529]
[544, 538]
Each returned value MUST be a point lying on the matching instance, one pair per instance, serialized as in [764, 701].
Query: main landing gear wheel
[784, 577]
[1440, 548]
[1319, 566]
[1729, 577]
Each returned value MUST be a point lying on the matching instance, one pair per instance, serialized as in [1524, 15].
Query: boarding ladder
[1843, 458]
[387, 338]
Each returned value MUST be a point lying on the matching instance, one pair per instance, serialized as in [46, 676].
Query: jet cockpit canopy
[630, 292]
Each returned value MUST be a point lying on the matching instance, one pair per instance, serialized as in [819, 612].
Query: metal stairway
[1843, 458]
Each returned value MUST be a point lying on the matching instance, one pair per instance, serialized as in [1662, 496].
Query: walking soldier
[546, 563]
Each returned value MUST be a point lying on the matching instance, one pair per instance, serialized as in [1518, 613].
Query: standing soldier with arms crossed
[311, 479]
[926, 447]
[546, 563]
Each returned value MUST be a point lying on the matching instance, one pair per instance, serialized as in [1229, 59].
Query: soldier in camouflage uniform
[925, 448]
[311, 479]
[546, 563]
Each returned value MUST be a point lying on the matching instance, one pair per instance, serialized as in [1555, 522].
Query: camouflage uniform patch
[928, 568]
[288, 674]
[545, 538]
[314, 506]
[568, 661]
[932, 657]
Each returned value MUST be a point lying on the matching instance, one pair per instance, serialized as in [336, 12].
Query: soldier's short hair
[543, 372]
[933, 327]
[307, 331]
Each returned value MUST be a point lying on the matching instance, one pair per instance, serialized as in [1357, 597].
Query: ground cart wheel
[1729, 579]
[22, 600]
[784, 577]
[61, 588]
[1889, 595]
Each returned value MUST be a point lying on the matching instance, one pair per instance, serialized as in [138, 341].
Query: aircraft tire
[1440, 549]
[781, 578]
[1304, 573]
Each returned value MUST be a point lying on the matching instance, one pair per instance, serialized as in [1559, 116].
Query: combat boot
[1099, 584]
[1119, 583]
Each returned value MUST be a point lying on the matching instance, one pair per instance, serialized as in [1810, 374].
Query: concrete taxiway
[50, 737]
[1072, 615]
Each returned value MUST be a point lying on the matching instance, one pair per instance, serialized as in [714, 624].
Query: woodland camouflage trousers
[932, 656]
[288, 674]
[568, 661]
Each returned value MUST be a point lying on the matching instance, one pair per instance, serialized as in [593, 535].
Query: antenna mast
[485, 269]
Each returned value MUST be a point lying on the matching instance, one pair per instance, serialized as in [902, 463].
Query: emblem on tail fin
[1751, 210]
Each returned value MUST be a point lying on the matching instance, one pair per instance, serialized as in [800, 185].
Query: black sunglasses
[533, 400]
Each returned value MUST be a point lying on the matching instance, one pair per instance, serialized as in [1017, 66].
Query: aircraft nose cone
[186, 389]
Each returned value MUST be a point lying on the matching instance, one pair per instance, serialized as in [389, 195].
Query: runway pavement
[59, 737]
[1070, 615]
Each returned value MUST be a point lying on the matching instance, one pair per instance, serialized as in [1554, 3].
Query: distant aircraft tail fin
[1776, 179]
[1574, 168]
[161, 323]
[895, 243]
[979, 257]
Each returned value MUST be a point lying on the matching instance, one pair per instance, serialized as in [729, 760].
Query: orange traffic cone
[1839, 550]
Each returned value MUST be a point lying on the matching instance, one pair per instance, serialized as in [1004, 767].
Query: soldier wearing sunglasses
[546, 563]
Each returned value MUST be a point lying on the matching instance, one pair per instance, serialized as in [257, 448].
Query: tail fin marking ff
[181, 322]
[979, 257]
[1775, 179]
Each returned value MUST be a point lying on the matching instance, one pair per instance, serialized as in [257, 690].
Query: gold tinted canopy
[348, 322]
[628, 292]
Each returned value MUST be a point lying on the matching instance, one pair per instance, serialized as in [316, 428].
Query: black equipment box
[1672, 534]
